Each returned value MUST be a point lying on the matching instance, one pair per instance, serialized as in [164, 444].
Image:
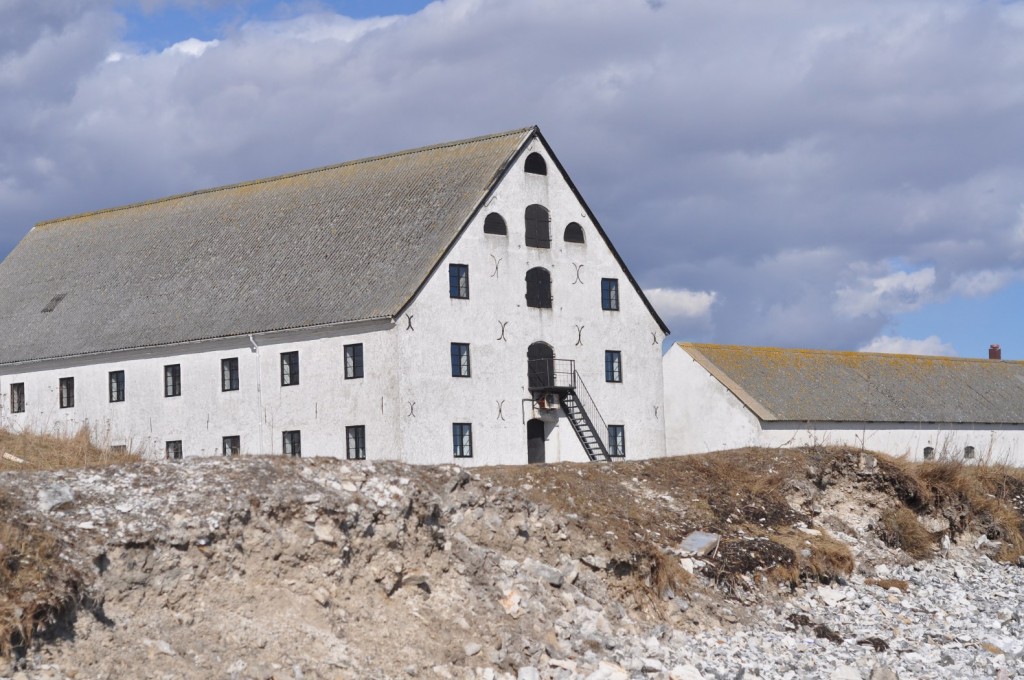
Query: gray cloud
[798, 160]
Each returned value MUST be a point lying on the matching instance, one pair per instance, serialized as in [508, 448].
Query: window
[116, 386]
[232, 446]
[538, 233]
[460, 359]
[353, 361]
[610, 295]
[119, 448]
[174, 451]
[929, 452]
[355, 437]
[172, 380]
[613, 365]
[292, 443]
[535, 164]
[538, 288]
[462, 440]
[573, 233]
[289, 368]
[617, 441]
[968, 452]
[458, 281]
[67, 392]
[17, 397]
[228, 375]
[495, 224]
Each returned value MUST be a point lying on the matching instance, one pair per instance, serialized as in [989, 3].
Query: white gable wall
[497, 270]
[703, 415]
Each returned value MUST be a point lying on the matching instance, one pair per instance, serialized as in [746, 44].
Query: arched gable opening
[573, 233]
[538, 288]
[538, 227]
[535, 164]
[495, 224]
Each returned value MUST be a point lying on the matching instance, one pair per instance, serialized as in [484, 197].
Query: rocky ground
[317, 568]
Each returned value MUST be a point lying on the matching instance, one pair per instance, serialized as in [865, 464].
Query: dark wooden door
[540, 359]
[534, 441]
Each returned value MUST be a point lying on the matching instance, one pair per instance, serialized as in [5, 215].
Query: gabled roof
[345, 243]
[824, 386]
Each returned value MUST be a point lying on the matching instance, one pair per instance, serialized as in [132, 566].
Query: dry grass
[49, 452]
[899, 528]
[887, 583]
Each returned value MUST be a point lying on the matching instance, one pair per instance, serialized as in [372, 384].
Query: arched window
[538, 228]
[495, 224]
[573, 233]
[535, 164]
[538, 288]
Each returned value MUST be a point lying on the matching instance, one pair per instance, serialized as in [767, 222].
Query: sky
[835, 175]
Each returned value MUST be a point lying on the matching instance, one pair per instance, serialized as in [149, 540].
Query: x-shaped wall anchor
[579, 335]
[578, 278]
[412, 409]
[502, 336]
[497, 261]
[501, 405]
[408, 321]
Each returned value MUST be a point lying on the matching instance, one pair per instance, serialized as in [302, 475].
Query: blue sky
[801, 174]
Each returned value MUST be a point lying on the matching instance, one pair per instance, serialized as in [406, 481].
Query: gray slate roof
[344, 243]
[823, 386]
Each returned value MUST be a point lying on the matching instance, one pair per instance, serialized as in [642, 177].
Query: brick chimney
[995, 353]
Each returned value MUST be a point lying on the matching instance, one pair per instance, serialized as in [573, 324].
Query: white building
[725, 396]
[453, 303]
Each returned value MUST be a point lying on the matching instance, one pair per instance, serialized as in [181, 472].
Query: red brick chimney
[995, 353]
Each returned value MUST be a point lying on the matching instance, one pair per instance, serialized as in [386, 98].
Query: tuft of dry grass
[887, 583]
[899, 528]
[819, 557]
[37, 586]
[50, 452]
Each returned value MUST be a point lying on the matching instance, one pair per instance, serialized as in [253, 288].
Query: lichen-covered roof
[825, 386]
[345, 243]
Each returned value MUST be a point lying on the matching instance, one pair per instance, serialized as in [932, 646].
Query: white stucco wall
[408, 399]
[702, 415]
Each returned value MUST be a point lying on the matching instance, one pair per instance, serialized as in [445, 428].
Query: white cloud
[982, 283]
[894, 344]
[886, 295]
[192, 47]
[678, 303]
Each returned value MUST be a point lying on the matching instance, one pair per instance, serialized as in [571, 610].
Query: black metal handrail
[551, 374]
[589, 407]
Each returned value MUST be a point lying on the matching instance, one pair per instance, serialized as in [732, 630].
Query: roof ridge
[801, 350]
[289, 175]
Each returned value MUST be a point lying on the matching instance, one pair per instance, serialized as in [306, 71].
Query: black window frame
[495, 224]
[67, 392]
[617, 441]
[231, 445]
[462, 440]
[538, 290]
[289, 368]
[173, 450]
[18, 397]
[610, 295]
[460, 350]
[354, 367]
[115, 382]
[458, 281]
[538, 226]
[172, 380]
[229, 381]
[291, 443]
[355, 442]
[613, 365]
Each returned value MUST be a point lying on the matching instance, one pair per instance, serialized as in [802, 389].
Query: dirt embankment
[266, 567]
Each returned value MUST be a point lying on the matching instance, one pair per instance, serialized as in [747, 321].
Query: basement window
[495, 224]
[232, 446]
[617, 441]
[17, 397]
[573, 233]
[289, 368]
[119, 448]
[462, 440]
[929, 453]
[968, 452]
[291, 443]
[67, 392]
[172, 380]
[535, 164]
[355, 442]
[174, 451]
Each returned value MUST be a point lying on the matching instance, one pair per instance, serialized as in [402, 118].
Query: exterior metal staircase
[559, 376]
